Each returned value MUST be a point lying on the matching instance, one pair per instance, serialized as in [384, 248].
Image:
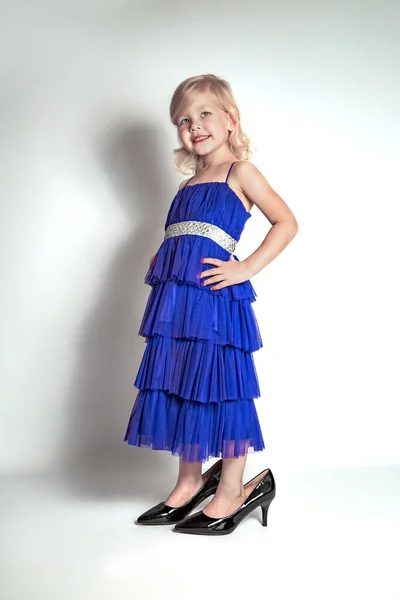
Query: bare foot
[223, 505]
[183, 491]
[224, 502]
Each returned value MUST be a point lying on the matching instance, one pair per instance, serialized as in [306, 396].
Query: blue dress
[197, 380]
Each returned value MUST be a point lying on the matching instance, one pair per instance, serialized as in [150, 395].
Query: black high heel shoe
[162, 514]
[262, 495]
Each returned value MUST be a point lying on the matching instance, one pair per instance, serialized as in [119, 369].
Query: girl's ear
[231, 123]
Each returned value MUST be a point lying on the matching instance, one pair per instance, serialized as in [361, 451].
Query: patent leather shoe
[262, 495]
[162, 514]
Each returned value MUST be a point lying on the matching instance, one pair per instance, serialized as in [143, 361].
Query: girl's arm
[284, 228]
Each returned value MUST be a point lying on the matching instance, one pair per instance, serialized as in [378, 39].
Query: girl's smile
[199, 139]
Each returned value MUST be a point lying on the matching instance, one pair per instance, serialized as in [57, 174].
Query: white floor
[331, 535]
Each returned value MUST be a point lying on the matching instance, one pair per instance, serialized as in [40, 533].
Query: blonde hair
[239, 144]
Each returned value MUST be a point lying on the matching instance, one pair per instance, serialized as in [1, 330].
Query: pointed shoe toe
[196, 523]
[262, 493]
[162, 514]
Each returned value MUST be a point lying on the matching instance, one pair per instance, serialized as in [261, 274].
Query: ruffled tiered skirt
[197, 380]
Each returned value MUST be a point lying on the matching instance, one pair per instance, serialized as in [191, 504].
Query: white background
[87, 177]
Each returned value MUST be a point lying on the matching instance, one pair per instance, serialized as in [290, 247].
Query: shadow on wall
[95, 458]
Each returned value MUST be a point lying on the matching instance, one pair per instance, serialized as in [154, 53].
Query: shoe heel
[264, 511]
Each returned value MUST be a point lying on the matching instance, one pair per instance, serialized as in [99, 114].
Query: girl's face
[203, 117]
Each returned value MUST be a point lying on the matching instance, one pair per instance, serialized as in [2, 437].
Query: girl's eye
[204, 111]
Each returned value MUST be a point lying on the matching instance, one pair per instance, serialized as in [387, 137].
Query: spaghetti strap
[188, 181]
[226, 180]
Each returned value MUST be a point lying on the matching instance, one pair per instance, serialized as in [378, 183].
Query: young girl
[197, 380]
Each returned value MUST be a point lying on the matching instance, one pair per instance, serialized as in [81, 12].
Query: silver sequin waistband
[201, 228]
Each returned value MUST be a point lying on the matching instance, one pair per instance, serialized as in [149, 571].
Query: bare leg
[189, 482]
[230, 493]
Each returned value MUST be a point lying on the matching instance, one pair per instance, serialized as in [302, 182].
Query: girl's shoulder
[184, 182]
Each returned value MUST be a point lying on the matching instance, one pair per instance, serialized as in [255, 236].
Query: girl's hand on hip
[226, 272]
